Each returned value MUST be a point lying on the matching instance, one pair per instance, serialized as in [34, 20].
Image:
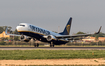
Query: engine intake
[25, 38]
[50, 37]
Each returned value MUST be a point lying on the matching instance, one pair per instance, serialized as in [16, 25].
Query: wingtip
[99, 30]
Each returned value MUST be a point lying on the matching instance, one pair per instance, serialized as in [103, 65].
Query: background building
[3, 35]
[93, 39]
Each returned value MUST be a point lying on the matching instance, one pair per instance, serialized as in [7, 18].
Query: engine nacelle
[25, 38]
[50, 37]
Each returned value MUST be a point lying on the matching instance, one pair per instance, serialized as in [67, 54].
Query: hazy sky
[88, 15]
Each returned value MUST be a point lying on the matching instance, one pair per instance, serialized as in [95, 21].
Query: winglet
[98, 30]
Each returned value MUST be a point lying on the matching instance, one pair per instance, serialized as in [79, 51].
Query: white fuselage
[31, 28]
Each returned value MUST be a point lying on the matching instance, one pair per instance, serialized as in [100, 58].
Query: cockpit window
[22, 25]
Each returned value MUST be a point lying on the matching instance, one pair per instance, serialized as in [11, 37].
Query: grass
[50, 54]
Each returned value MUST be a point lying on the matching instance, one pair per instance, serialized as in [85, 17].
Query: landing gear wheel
[36, 45]
[51, 44]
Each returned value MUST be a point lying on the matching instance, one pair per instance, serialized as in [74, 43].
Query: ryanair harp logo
[68, 28]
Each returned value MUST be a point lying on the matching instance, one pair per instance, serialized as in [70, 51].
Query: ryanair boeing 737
[29, 31]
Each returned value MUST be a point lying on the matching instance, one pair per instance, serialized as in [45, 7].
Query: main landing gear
[36, 44]
[51, 44]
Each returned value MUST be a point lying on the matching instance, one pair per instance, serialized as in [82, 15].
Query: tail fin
[67, 28]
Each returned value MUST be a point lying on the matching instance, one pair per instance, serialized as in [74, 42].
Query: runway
[52, 48]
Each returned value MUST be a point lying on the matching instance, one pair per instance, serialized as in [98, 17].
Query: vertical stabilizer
[67, 28]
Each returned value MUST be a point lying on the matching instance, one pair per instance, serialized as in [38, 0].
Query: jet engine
[25, 38]
[50, 37]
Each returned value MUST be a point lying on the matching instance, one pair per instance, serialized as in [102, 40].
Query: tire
[35, 45]
[51, 44]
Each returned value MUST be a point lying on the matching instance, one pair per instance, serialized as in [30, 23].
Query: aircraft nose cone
[17, 28]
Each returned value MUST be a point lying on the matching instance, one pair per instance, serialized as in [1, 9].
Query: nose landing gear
[36, 44]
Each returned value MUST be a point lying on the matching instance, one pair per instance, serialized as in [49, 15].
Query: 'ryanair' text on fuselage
[36, 29]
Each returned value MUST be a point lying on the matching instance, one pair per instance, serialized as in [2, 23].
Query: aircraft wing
[10, 34]
[78, 35]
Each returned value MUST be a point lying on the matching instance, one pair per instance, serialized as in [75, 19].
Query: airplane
[29, 31]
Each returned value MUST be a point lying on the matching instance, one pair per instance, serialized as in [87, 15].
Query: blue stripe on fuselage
[39, 36]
